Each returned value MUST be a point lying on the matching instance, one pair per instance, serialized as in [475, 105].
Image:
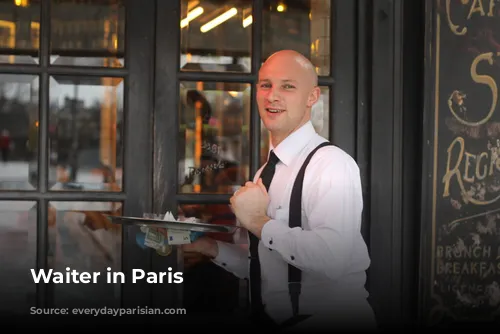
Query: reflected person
[5, 145]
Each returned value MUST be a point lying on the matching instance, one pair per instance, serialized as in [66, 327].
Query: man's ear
[314, 96]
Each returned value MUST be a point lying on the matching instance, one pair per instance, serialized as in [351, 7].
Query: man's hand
[198, 251]
[250, 204]
[204, 245]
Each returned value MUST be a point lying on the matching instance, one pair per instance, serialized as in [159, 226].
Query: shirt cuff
[231, 257]
[271, 233]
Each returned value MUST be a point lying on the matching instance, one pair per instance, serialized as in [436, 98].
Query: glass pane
[214, 139]
[18, 132]
[300, 25]
[206, 286]
[18, 240]
[82, 238]
[319, 118]
[19, 31]
[87, 117]
[88, 33]
[216, 35]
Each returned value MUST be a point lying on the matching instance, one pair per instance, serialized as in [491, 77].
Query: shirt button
[224, 264]
[292, 257]
[271, 241]
[270, 249]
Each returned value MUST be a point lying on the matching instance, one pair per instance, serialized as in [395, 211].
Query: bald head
[297, 61]
[286, 91]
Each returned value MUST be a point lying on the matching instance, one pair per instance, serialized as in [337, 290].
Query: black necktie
[255, 291]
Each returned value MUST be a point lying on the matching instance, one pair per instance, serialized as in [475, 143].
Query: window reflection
[18, 132]
[86, 143]
[88, 33]
[214, 138]
[215, 35]
[18, 239]
[300, 25]
[81, 237]
[319, 118]
[19, 31]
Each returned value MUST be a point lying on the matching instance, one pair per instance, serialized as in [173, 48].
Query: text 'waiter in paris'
[306, 258]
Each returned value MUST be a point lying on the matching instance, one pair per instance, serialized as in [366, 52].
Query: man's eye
[288, 86]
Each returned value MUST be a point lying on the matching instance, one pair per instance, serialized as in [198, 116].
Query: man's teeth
[275, 110]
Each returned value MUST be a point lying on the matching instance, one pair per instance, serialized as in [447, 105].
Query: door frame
[138, 144]
[394, 33]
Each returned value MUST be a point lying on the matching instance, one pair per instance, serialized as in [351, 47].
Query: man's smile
[274, 110]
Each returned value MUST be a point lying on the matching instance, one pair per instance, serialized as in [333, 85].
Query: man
[5, 145]
[328, 248]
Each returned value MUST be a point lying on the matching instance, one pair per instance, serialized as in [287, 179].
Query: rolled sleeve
[233, 258]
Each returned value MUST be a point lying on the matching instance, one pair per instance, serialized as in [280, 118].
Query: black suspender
[295, 220]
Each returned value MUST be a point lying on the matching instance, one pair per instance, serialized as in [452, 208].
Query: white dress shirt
[329, 250]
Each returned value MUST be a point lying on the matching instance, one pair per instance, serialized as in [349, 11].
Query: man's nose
[273, 95]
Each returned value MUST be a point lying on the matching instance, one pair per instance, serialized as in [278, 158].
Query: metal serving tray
[173, 224]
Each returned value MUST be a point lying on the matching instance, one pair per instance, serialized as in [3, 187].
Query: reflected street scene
[19, 124]
[84, 133]
[86, 115]
[82, 238]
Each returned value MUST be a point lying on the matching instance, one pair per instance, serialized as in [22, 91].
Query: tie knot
[273, 159]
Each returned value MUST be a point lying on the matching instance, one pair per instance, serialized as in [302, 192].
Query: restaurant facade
[139, 107]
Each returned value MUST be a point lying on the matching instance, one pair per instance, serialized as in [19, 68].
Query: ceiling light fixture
[191, 16]
[218, 20]
[247, 21]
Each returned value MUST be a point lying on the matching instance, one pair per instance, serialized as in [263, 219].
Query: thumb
[261, 185]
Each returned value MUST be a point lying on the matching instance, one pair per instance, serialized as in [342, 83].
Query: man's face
[285, 94]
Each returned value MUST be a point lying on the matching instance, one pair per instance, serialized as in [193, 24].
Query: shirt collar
[290, 147]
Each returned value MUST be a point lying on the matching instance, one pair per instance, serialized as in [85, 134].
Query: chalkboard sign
[461, 188]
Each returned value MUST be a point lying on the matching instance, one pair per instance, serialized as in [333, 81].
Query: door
[208, 135]
[74, 118]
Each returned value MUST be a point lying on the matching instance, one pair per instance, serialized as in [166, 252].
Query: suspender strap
[295, 220]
